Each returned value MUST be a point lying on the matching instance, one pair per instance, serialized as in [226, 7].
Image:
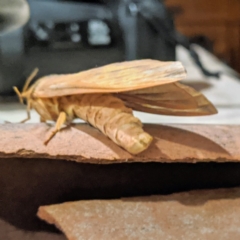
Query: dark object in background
[203, 41]
[88, 35]
[158, 17]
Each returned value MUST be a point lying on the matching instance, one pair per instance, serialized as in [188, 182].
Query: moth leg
[60, 121]
[28, 112]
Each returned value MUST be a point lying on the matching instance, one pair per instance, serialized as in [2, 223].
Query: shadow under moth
[105, 97]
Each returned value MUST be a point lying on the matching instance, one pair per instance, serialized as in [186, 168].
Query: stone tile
[212, 214]
[82, 143]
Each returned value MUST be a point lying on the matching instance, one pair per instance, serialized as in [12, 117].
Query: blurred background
[69, 36]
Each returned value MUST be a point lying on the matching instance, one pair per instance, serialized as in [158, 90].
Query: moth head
[26, 91]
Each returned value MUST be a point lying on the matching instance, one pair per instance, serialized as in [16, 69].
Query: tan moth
[105, 97]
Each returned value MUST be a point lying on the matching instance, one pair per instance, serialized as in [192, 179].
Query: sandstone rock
[82, 143]
[212, 214]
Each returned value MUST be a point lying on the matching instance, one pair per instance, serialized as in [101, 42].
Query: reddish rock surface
[201, 215]
[82, 143]
[194, 215]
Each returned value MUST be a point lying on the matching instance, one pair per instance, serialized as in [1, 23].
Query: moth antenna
[19, 94]
[29, 79]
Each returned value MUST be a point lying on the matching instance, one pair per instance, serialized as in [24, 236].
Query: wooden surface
[218, 20]
[83, 143]
[203, 11]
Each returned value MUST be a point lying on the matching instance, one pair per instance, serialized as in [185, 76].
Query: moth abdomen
[110, 115]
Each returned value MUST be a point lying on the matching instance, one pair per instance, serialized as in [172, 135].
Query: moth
[106, 96]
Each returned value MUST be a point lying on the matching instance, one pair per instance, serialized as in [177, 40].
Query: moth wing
[116, 77]
[171, 99]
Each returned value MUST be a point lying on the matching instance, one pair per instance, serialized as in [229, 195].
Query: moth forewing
[112, 78]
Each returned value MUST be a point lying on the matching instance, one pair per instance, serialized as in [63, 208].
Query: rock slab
[83, 143]
[206, 214]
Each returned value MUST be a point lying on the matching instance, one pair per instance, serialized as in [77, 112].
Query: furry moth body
[106, 96]
[103, 111]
